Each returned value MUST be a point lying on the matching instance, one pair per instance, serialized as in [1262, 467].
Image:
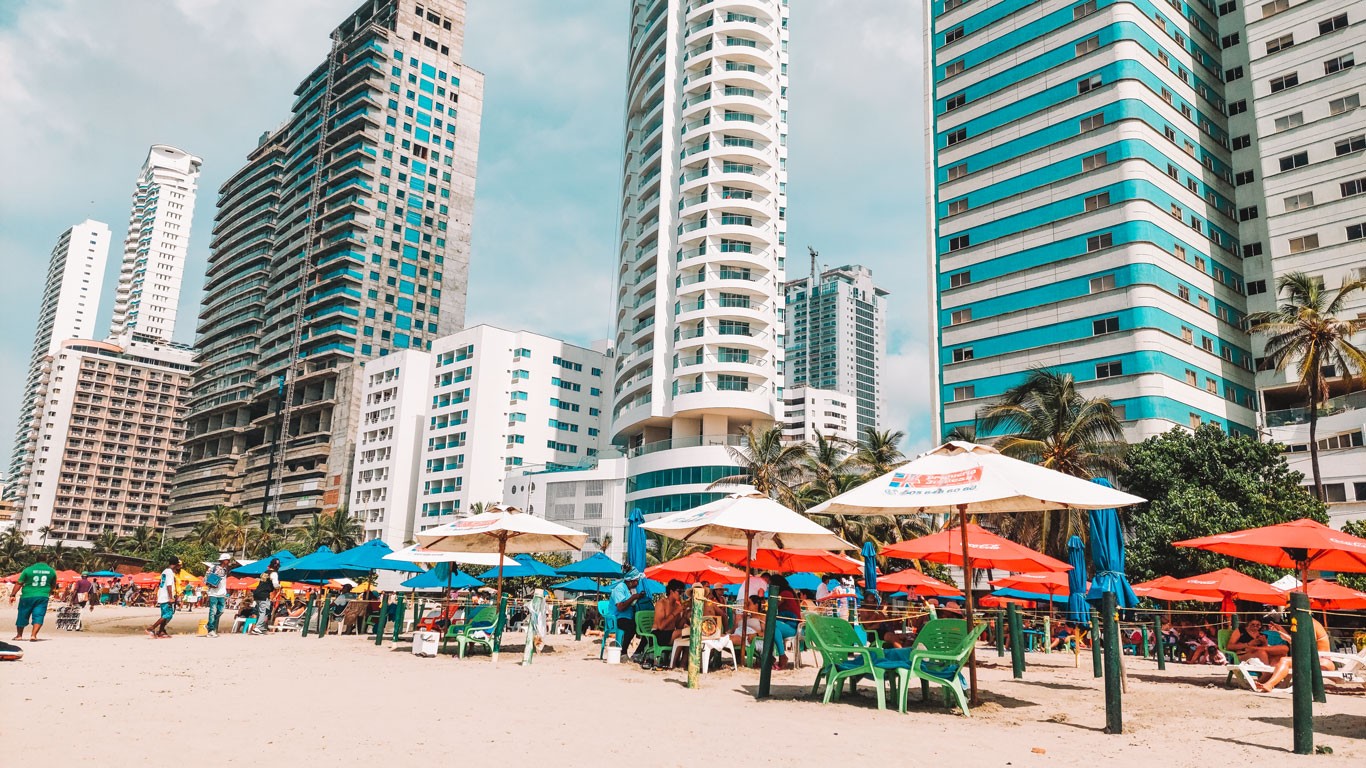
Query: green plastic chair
[644, 628]
[940, 650]
[484, 620]
[1221, 639]
[842, 657]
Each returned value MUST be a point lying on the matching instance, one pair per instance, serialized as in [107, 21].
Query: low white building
[438, 431]
[592, 499]
[1342, 455]
[807, 410]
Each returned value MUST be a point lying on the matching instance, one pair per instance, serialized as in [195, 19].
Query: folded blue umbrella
[434, 579]
[1077, 608]
[526, 566]
[259, 567]
[635, 540]
[1107, 552]
[599, 566]
[869, 553]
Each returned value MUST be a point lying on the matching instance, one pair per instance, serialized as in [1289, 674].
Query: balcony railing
[1336, 405]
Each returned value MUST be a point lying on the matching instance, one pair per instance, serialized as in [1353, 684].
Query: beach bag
[213, 578]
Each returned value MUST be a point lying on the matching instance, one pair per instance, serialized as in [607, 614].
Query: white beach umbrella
[419, 554]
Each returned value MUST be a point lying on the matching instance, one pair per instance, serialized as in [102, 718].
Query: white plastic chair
[722, 645]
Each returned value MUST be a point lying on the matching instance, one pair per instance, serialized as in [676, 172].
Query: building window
[1296, 202]
[1088, 45]
[1110, 369]
[1211, 386]
[1104, 326]
[1092, 122]
[1089, 84]
[1256, 287]
[1334, 492]
[1085, 9]
[1227, 8]
[1334, 24]
[960, 316]
[1092, 162]
[1297, 160]
[954, 68]
[1191, 378]
[1187, 335]
[1349, 145]
[1353, 187]
[1274, 7]
[953, 34]
[957, 136]
[1235, 73]
[958, 243]
[962, 354]
[1102, 283]
[1097, 242]
[1293, 120]
[1339, 63]
[958, 206]
[960, 279]
[1237, 107]
[1195, 420]
[1243, 177]
[1344, 104]
[1252, 249]
[955, 101]
[958, 171]
[1230, 40]
[1241, 142]
[1095, 202]
[1247, 214]
[964, 393]
[1285, 81]
[1280, 43]
[1304, 243]
[1356, 231]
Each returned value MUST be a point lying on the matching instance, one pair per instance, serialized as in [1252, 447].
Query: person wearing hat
[265, 591]
[167, 595]
[216, 581]
[624, 601]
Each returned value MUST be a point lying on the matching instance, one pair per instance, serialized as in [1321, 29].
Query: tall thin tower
[157, 245]
[699, 302]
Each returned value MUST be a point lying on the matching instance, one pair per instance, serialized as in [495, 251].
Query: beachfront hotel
[157, 245]
[438, 430]
[837, 338]
[66, 310]
[345, 237]
[1117, 184]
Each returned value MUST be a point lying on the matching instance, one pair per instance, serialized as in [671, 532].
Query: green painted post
[499, 626]
[770, 633]
[399, 613]
[694, 640]
[1160, 642]
[1114, 711]
[1017, 661]
[308, 617]
[578, 620]
[1097, 652]
[379, 622]
[1303, 657]
[1047, 634]
[1000, 633]
[1143, 634]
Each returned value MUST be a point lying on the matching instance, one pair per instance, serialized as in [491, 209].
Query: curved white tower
[699, 292]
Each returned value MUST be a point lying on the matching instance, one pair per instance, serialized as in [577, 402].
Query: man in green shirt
[36, 583]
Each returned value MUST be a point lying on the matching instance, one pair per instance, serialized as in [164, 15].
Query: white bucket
[613, 654]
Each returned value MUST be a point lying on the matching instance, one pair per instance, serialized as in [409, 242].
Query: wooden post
[1114, 712]
[398, 618]
[578, 620]
[308, 617]
[379, 622]
[1017, 660]
[1160, 643]
[1097, 655]
[694, 640]
[1303, 656]
[1000, 633]
[967, 597]
[1048, 630]
[770, 633]
[1143, 635]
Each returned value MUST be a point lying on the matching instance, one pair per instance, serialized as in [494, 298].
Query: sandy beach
[111, 696]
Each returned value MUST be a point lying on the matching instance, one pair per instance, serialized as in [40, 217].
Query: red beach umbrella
[696, 568]
[790, 560]
[986, 549]
[1299, 544]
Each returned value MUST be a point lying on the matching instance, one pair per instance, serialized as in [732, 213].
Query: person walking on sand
[216, 580]
[167, 594]
[265, 590]
[34, 588]
[83, 588]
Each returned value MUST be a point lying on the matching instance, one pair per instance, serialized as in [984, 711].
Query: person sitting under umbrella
[1282, 670]
[624, 602]
[1248, 642]
[669, 620]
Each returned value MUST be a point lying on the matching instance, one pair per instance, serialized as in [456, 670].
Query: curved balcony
[740, 310]
[754, 402]
[754, 339]
[713, 281]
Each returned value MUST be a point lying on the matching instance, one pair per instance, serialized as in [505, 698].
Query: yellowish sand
[110, 696]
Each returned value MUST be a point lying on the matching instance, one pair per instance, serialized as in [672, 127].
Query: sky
[86, 86]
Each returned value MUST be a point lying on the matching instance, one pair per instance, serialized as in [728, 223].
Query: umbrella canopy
[749, 521]
[318, 565]
[526, 567]
[1107, 553]
[869, 565]
[236, 583]
[1054, 582]
[635, 540]
[418, 554]
[1077, 610]
[914, 582]
[1330, 596]
[1229, 585]
[804, 582]
[1037, 597]
[373, 556]
[696, 568]
[789, 560]
[581, 584]
[986, 549]
[258, 567]
[433, 579]
[599, 566]
[958, 473]
[1000, 601]
[1299, 544]
[1168, 589]
[103, 575]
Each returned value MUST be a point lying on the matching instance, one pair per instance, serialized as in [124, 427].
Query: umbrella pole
[967, 594]
[498, 598]
[740, 620]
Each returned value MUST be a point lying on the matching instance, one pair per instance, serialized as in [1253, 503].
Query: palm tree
[336, 531]
[1047, 421]
[827, 470]
[773, 467]
[14, 551]
[268, 536]
[107, 542]
[141, 541]
[877, 452]
[45, 531]
[661, 549]
[1308, 332]
[961, 433]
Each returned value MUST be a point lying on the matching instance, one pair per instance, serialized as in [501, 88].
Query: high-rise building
[345, 237]
[1085, 214]
[702, 242]
[809, 412]
[71, 297]
[157, 245]
[837, 338]
[438, 430]
[107, 441]
[1299, 159]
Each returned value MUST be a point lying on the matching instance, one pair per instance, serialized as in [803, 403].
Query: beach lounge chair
[480, 628]
[937, 656]
[291, 623]
[842, 657]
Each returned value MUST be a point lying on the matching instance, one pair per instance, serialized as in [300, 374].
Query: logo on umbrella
[907, 484]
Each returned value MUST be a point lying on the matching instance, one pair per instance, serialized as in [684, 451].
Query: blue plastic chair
[609, 624]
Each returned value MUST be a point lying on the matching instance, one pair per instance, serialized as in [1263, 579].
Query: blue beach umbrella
[370, 557]
[1107, 552]
[315, 566]
[599, 566]
[581, 584]
[434, 579]
[806, 582]
[259, 567]
[1077, 609]
[635, 540]
[526, 566]
[104, 575]
[869, 566]
[1038, 597]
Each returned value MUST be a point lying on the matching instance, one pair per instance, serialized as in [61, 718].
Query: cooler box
[426, 644]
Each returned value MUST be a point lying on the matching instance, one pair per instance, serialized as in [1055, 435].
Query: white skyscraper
[157, 245]
[71, 297]
[699, 288]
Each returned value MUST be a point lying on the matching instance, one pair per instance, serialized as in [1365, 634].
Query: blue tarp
[1107, 553]
[1077, 608]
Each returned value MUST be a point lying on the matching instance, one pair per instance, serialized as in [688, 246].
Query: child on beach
[1204, 650]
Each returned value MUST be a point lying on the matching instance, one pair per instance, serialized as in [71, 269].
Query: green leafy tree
[1354, 580]
[140, 542]
[878, 453]
[268, 536]
[1200, 484]
[337, 531]
[772, 466]
[1310, 331]
[662, 549]
[15, 553]
[961, 433]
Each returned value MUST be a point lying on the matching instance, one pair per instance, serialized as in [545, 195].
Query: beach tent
[599, 566]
